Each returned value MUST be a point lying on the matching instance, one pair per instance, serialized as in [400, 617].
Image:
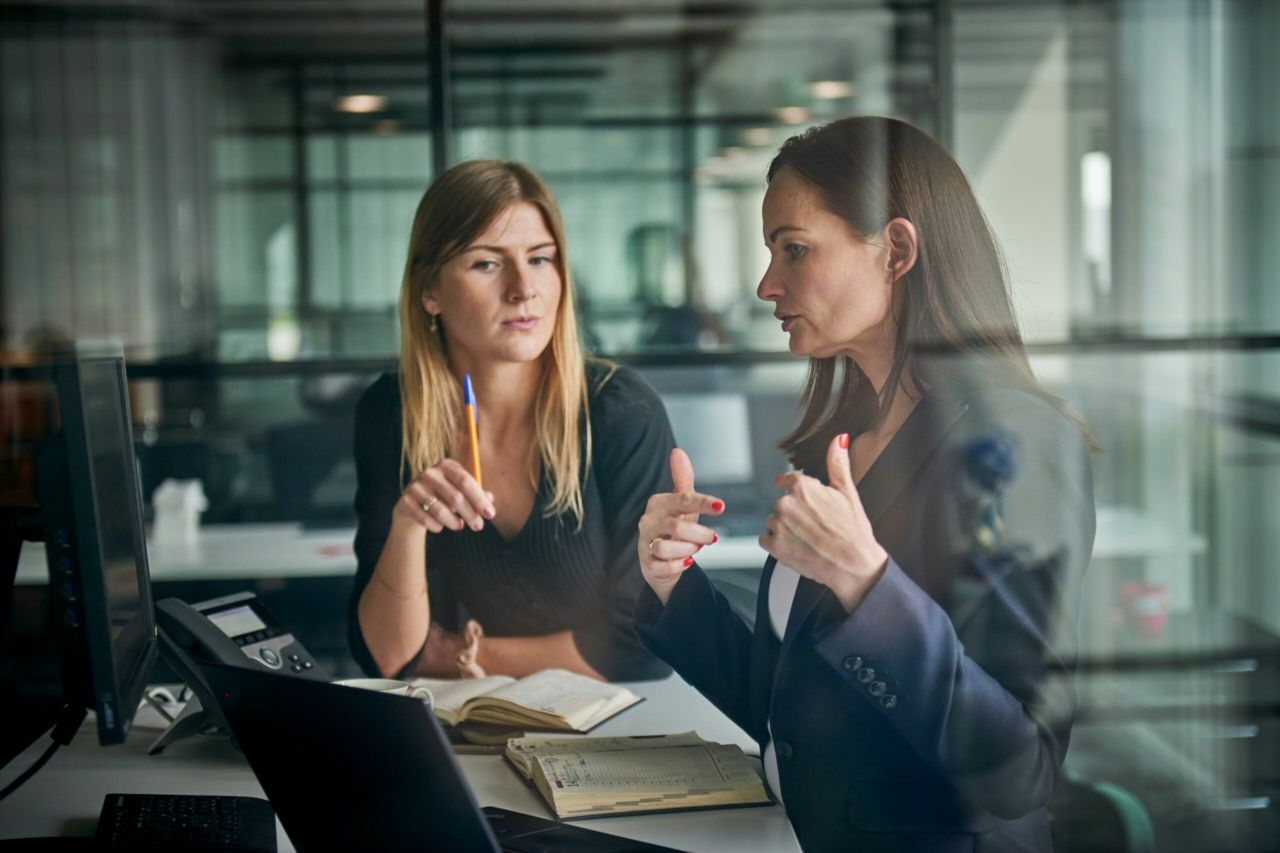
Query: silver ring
[426, 507]
[654, 541]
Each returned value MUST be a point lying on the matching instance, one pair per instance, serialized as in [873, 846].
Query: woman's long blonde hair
[454, 211]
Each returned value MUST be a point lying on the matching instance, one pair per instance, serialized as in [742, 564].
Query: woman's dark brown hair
[955, 320]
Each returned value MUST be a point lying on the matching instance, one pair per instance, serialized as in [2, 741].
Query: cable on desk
[69, 720]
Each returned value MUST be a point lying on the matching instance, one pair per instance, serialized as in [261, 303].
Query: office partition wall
[228, 189]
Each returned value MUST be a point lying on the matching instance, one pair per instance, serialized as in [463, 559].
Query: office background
[227, 188]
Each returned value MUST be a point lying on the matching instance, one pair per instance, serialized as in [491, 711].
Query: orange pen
[469, 398]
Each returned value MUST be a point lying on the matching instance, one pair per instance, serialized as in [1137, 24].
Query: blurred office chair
[1098, 817]
[302, 456]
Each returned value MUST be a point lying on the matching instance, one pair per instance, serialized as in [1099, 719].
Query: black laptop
[351, 769]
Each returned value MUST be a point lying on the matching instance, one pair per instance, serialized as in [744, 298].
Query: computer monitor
[713, 429]
[91, 507]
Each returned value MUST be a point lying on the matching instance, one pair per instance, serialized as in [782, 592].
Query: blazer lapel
[762, 599]
[808, 594]
[763, 666]
[894, 468]
[907, 453]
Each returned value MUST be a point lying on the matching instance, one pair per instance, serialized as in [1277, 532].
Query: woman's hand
[823, 532]
[445, 495]
[450, 655]
[669, 531]
[469, 657]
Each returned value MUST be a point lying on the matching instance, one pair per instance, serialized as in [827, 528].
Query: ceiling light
[360, 103]
[832, 90]
[792, 115]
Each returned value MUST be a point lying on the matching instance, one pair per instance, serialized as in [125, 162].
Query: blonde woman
[536, 569]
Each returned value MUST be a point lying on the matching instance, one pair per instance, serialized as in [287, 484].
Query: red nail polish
[714, 539]
[844, 441]
[688, 561]
[717, 506]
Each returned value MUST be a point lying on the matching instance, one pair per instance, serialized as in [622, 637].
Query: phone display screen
[237, 621]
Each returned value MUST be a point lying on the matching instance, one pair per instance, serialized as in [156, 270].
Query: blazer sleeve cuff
[856, 648]
[684, 615]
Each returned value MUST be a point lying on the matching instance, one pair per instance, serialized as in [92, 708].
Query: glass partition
[228, 189]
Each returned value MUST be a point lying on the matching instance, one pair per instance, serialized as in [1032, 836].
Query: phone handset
[190, 632]
[235, 630]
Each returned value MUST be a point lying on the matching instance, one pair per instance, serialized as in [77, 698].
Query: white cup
[392, 686]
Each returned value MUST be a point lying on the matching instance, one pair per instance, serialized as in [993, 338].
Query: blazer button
[783, 750]
[852, 662]
[866, 675]
[888, 700]
[878, 688]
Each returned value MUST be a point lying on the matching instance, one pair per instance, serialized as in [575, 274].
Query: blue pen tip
[468, 395]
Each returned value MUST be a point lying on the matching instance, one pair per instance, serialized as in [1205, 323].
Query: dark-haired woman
[908, 676]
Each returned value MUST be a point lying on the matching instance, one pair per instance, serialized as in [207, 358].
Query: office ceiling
[617, 61]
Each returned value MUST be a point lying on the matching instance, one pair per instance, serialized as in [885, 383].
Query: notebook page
[679, 771]
[523, 750]
[450, 694]
[561, 693]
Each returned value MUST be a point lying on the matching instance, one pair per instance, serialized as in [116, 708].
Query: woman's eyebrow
[502, 249]
[774, 235]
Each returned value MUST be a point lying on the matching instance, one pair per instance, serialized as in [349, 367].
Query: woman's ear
[904, 244]
[428, 304]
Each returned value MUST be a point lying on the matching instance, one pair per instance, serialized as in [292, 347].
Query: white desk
[233, 552]
[65, 796]
[252, 551]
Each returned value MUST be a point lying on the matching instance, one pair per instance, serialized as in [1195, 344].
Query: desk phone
[234, 630]
[247, 623]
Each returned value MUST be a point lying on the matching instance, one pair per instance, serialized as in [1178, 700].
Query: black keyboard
[186, 822]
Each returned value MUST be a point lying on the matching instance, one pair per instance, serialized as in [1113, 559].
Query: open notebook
[550, 700]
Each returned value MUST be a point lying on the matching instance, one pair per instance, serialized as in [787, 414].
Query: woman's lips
[522, 324]
[788, 320]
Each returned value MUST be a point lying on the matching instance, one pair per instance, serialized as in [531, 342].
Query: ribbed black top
[548, 577]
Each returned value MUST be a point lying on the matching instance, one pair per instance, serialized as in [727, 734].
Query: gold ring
[426, 507]
[652, 542]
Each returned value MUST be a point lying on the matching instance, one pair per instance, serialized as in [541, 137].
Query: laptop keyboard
[186, 822]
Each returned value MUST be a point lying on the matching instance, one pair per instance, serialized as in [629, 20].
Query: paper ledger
[588, 777]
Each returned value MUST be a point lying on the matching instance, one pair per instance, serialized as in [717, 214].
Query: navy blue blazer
[936, 715]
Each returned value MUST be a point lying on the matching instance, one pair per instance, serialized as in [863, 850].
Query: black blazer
[936, 715]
